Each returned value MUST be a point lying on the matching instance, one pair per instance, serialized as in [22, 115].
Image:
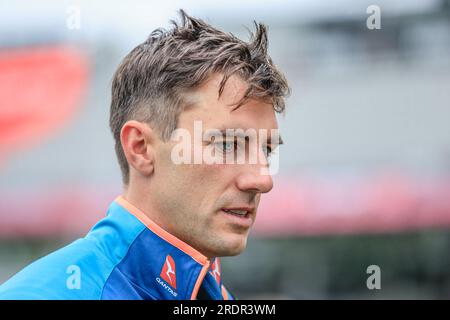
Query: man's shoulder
[80, 269]
[76, 271]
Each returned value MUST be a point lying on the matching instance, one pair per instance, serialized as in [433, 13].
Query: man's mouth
[241, 213]
[242, 217]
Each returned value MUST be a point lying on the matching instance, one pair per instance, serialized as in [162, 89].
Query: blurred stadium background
[365, 170]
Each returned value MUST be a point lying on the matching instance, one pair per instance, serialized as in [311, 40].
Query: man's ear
[138, 143]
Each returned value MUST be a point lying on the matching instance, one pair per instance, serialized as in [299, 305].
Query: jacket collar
[167, 267]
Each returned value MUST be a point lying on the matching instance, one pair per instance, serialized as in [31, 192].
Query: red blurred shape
[373, 204]
[297, 206]
[40, 90]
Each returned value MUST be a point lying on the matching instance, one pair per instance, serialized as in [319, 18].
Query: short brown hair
[149, 84]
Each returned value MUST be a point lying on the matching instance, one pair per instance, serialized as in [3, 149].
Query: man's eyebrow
[241, 134]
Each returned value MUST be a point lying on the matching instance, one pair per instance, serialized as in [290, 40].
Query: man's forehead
[208, 94]
[233, 90]
[206, 98]
[248, 116]
[204, 104]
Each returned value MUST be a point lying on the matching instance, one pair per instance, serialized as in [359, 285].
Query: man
[163, 237]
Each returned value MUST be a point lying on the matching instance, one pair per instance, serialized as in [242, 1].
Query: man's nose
[252, 180]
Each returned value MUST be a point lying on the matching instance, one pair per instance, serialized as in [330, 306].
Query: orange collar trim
[163, 234]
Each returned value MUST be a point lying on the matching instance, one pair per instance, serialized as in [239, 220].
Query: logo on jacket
[215, 270]
[168, 272]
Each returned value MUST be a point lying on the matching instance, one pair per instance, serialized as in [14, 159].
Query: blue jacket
[124, 256]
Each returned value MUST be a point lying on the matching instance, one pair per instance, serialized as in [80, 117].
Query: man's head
[195, 73]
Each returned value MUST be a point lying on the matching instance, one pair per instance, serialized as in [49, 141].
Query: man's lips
[240, 209]
[242, 216]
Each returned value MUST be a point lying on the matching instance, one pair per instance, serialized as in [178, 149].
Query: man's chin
[232, 247]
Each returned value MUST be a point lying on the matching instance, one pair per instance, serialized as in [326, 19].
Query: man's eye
[226, 146]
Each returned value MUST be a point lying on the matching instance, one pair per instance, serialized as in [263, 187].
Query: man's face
[195, 199]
